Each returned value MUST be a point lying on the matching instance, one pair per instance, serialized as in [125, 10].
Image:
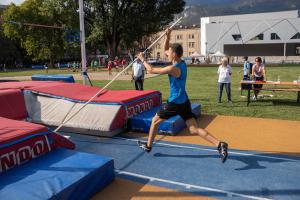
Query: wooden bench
[272, 89]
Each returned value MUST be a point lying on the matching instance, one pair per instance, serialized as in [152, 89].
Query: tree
[8, 50]
[40, 41]
[138, 46]
[113, 21]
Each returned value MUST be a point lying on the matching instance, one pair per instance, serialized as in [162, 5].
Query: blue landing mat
[58, 175]
[198, 169]
[66, 78]
[172, 126]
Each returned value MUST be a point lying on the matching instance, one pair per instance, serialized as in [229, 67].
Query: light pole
[206, 54]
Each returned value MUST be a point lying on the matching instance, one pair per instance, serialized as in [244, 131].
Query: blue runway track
[198, 169]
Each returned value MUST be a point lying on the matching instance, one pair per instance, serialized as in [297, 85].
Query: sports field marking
[229, 194]
[230, 152]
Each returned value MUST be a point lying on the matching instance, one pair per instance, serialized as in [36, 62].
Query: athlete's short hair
[177, 48]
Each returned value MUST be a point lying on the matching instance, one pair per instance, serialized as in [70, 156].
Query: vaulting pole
[114, 78]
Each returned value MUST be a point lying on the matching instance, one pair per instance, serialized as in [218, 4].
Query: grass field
[202, 88]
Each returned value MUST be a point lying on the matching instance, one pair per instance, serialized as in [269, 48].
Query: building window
[179, 37]
[258, 37]
[237, 37]
[190, 53]
[191, 36]
[158, 55]
[158, 46]
[297, 36]
[274, 36]
[191, 44]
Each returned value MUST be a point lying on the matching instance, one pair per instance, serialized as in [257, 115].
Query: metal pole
[114, 78]
[206, 54]
[284, 53]
[83, 53]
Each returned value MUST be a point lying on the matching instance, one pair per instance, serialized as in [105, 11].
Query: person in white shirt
[224, 72]
[138, 74]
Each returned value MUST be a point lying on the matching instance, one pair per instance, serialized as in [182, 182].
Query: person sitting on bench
[257, 71]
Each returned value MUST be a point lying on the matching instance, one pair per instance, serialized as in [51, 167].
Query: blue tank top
[177, 85]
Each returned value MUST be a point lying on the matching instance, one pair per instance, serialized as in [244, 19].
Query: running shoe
[144, 146]
[223, 151]
[229, 101]
[254, 98]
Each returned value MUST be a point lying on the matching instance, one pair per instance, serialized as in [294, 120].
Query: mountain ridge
[195, 9]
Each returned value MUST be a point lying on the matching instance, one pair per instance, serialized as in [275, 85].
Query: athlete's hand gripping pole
[114, 78]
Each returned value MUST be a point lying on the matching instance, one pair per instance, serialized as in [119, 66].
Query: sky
[6, 2]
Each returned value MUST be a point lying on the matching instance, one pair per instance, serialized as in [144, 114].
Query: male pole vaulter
[178, 103]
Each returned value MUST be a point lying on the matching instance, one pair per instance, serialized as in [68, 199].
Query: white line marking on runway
[230, 152]
[189, 186]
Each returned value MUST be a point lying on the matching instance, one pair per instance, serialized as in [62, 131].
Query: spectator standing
[100, 64]
[58, 66]
[247, 67]
[264, 60]
[96, 65]
[117, 63]
[138, 74]
[92, 65]
[87, 65]
[5, 69]
[109, 67]
[193, 60]
[74, 66]
[257, 71]
[224, 72]
[46, 67]
[77, 66]
[68, 66]
[106, 61]
[124, 63]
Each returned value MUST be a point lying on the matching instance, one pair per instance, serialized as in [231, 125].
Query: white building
[261, 34]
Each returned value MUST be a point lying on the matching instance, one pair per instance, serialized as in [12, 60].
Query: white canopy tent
[196, 54]
[218, 54]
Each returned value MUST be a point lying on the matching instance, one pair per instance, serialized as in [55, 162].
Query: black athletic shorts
[171, 110]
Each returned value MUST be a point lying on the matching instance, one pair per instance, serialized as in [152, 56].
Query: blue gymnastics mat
[172, 126]
[66, 78]
[60, 174]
